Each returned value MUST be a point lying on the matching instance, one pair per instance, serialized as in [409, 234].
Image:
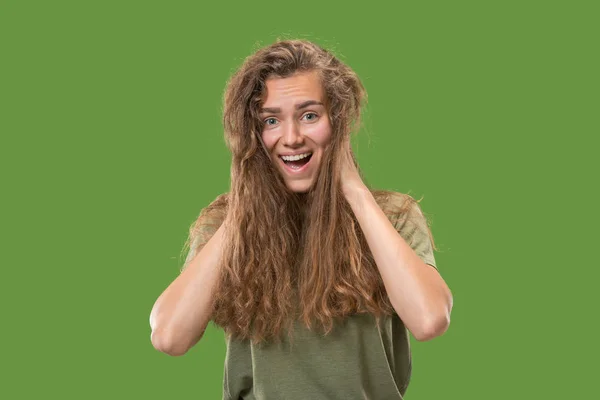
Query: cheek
[321, 134]
[268, 140]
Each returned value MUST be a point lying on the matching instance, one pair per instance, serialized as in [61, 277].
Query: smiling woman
[296, 127]
[315, 278]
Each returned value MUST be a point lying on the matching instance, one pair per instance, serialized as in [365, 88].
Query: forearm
[417, 292]
[182, 312]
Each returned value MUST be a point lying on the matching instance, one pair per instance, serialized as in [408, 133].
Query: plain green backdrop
[111, 144]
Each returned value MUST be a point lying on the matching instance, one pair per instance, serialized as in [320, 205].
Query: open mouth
[296, 163]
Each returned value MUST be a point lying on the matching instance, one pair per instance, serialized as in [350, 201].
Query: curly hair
[290, 256]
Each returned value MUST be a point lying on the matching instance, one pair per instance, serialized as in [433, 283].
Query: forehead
[297, 87]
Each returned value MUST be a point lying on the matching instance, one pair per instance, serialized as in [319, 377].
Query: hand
[351, 180]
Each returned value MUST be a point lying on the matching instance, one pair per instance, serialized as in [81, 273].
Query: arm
[416, 290]
[182, 312]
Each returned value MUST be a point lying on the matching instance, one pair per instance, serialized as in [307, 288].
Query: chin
[299, 187]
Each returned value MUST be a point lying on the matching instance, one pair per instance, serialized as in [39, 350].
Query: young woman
[315, 278]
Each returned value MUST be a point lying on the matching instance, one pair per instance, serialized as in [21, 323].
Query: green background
[111, 143]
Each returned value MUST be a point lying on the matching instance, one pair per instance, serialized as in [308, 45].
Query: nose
[292, 135]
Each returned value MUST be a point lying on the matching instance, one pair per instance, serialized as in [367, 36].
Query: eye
[270, 121]
[313, 116]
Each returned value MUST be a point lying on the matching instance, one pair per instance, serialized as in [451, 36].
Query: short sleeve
[411, 224]
[205, 230]
[205, 226]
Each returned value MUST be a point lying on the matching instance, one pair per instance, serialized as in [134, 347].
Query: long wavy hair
[290, 256]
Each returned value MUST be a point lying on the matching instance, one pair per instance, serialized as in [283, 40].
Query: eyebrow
[299, 106]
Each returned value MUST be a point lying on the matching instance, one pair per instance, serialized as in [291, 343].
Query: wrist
[356, 193]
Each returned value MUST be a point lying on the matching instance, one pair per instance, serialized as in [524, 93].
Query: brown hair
[290, 255]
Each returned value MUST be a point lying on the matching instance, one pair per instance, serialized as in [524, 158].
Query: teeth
[295, 158]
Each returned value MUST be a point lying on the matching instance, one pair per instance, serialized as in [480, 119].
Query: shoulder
[211, 216]
[220, 201]
[206, 224]
[395, 204]
[216, 209]
[403, 210]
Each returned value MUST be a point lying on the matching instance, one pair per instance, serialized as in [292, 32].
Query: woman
[314, 278]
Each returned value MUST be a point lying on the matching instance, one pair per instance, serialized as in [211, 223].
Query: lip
[295, 171]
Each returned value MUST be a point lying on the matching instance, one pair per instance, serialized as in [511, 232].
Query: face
[296, 127]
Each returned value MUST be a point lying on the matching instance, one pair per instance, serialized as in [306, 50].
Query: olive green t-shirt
[357, 360]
